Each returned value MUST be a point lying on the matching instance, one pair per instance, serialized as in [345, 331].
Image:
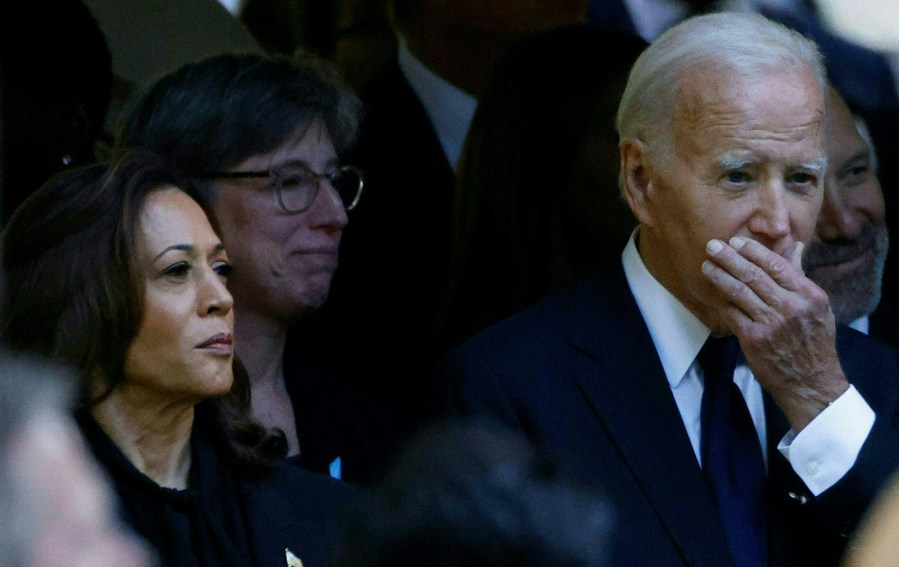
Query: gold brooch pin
[292, 560]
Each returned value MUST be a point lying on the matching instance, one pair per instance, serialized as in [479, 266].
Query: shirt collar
[676, 333]
[862, 325]
[449, 107]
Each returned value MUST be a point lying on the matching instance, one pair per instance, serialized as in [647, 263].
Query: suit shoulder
[314, 491]
[539, 325]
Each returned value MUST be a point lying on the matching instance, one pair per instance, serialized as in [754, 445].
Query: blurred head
[273, 117]
[117, 272]
[474, 493]
[846, 257]
[731, 146]
[56, 507]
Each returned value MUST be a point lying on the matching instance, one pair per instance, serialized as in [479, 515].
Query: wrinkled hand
[784, 323]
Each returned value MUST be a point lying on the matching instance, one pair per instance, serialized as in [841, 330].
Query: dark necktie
[732, 459]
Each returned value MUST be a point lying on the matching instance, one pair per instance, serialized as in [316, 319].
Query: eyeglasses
[297, 187]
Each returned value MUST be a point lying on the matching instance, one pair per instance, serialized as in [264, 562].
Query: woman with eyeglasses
[264, 137]
[120, 274]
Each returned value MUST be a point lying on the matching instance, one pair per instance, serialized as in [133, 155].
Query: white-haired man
[716, 453]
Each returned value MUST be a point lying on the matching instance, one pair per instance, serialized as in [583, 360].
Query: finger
[797, 257]
[782, 270]
[736, 320]
[746, 271]
[736, 292]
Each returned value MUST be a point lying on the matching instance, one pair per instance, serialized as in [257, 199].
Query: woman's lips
[222, 342]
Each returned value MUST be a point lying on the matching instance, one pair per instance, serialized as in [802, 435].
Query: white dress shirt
[821, 454]
[449, 107]
[862, 324]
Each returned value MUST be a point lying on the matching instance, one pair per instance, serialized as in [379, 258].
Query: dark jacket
[579, 375]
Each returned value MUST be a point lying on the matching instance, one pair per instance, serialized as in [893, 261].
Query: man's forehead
[704, 88]
[715, 104]
[842, 130]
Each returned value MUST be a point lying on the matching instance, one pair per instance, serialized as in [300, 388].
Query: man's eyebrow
[861, 154]
[733, 161]
[819, 165]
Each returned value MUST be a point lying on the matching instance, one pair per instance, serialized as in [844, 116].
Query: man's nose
[771, 221]
[837, 219]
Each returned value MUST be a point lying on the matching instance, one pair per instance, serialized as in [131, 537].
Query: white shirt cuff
[823, 452]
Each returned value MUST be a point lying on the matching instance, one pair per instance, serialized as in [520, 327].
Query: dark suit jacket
[579, 375]
[884, 324]
[394, 253]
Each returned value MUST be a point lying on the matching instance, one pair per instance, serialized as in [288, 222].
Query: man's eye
[802, 178]
[737, 177]
[854, 175]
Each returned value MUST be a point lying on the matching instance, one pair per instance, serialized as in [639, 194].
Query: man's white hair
[744, 45]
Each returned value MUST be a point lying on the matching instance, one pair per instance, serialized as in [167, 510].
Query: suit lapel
[638, 411]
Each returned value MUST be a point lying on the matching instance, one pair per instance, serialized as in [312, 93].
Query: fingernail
[706, 267]
[714, 246]
[736, 242]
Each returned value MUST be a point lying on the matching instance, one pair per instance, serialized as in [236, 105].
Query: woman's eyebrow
[183, 247]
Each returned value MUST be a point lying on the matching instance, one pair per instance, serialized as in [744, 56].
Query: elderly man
[629, 378]
[846, 257]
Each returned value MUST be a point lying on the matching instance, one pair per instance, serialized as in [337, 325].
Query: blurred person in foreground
[119, 273]
[264, 136]
[469, 493]
[56, 507]
[703, 385]
[846, 257]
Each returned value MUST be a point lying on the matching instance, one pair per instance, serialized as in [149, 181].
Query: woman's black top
[224, 518]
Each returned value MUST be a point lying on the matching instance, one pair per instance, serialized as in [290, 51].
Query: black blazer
[226, 517]
[579, 375]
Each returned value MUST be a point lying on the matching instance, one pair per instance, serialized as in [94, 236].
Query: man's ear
[635, 179]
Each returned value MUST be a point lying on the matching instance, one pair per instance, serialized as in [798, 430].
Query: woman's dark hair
[525, 189]
[212, 115]
[75, 295]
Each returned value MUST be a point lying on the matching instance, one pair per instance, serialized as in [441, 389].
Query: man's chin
[859, 267]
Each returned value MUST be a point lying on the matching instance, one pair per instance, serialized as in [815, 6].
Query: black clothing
[225, 518]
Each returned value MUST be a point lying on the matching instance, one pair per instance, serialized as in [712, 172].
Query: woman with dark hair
[537, 202]
[264, 136]
[120, 273]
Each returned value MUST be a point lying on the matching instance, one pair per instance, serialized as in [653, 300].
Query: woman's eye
[223, 270]
[297, 180]
[177, 271]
